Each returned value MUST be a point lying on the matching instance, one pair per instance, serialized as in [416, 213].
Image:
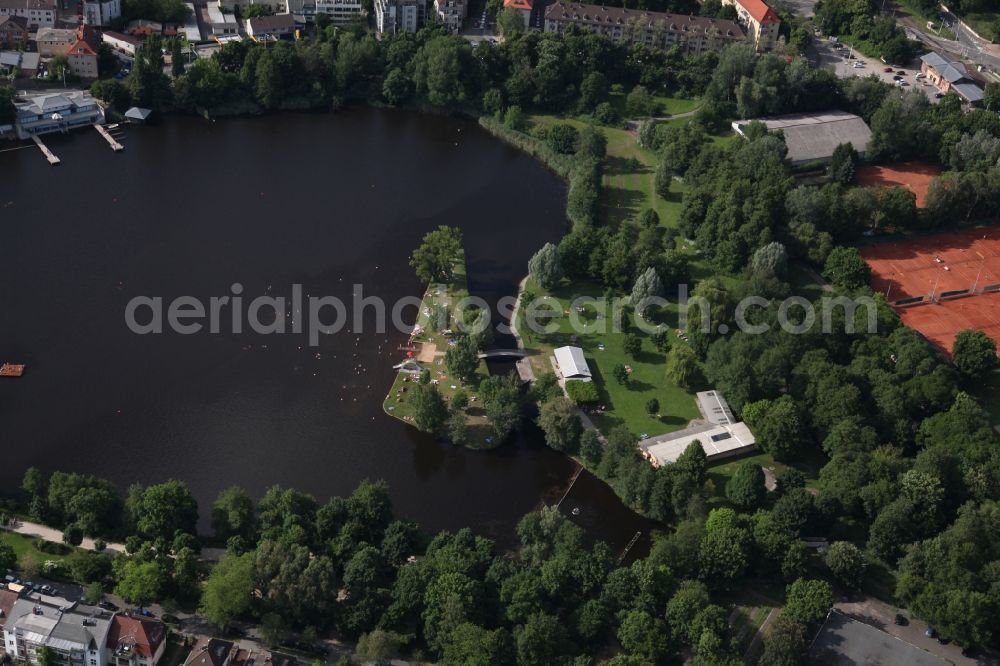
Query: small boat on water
[11, 370]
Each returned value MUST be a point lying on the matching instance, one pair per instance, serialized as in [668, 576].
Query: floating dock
[49, 155]
[115, 146]
[11, 370]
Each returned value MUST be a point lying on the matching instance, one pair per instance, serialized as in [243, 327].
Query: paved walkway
[47, 533]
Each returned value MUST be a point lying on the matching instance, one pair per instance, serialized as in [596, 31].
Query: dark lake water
[191, 207]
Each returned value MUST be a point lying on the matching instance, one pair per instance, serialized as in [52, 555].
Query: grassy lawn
[908, 8]
[629, 173]
[429, 348]
[665, 106]
[744, 623]
[26, 551]
[624, 404]
[720, 473]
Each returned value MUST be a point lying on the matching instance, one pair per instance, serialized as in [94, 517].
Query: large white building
[39, 13]
[394, 16]
[571, 363]
[720, 435]
[61, 111]
[101, 12]
[341, 12]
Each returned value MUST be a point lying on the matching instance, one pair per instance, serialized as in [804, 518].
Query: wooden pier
[49, 155]
[11, 370]
[115, 146]
[572, 482]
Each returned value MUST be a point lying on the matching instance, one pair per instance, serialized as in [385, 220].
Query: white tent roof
[571, 363]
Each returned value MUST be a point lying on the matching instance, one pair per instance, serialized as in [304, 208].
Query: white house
[126, 44]
[101, 12]
[720, 436]
[39, 13]
[572, 364]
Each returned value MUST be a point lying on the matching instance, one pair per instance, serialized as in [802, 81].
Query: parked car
[900, 620]
[901, 72]
[887, 70]
[938, 95]
[47, 589]
[931, 632]
[108, 606]
[143, 612]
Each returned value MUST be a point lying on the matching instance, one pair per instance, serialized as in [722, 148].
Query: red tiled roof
[144, 636]
[7, 599]
[81, 48]
[518, 4]
[759, 10]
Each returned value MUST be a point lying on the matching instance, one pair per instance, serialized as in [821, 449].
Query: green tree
[770, 259]
[808, 600]
[652, 406]
[632, 345]
[621, 374]
[462, 358]
[846, 268]
[560, 421]
[545, 268]
[510, 22]
[647, 286]
[639, 102]
[846, 562]
[228, 591]
[590, 447]
[164, 509]
[975, 354]
[434, 260]
[429, 409]
[746, 488]
[140, 582]
[682, 367]
[458, 428]
[8, 557]
[72, 535]
[113, 92]
[379, 644]
[593, 90]
[562, 138]
[397, 87]
[48, 657]
[843, 164]
[785, 644]
[541, 640]
[234, 514]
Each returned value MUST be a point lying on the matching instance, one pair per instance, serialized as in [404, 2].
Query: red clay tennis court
[942, 284]
[914, 176]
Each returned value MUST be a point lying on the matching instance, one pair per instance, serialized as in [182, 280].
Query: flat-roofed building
[126, 44]
[55, 41]
[812, 137]
[721, 437]
[693, 34]
[392, 16]
[55, 112]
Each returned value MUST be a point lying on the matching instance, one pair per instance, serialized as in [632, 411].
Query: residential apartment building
[79, 635]
[39, 13]
[82, 60]
[450, 13]
[101, 12]
[341, 12]
[13, 31]
[760, 21]
[394, 16]
[693, 34]
[524, 7]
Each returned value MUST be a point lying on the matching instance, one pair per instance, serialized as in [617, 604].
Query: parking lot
[843, 59]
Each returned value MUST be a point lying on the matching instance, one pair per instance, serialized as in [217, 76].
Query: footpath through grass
[427, 350]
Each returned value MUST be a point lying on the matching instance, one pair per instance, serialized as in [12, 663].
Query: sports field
[914, 176]
[942, 284]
